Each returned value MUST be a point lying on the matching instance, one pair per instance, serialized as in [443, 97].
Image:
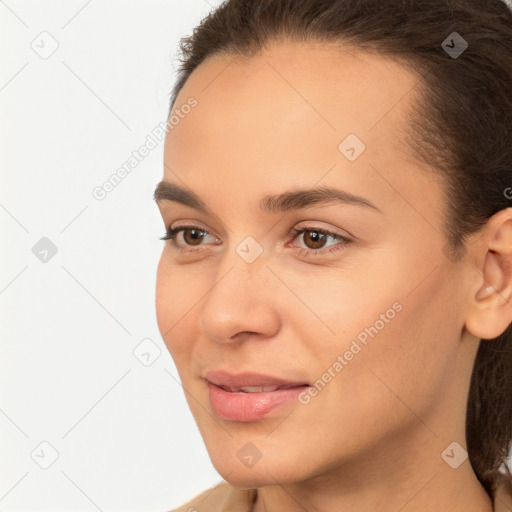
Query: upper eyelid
[190, 225]
[294, 229]
[301, 225]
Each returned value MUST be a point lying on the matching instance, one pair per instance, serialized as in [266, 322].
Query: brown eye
[314, 239]
[193, 236]
[318, 242]
[188, 238]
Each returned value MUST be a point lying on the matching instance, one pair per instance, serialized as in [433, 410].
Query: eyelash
[172, 233]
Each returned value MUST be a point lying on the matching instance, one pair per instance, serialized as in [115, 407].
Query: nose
[242, 303]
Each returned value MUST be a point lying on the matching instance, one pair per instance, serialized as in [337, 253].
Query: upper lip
[236, 381]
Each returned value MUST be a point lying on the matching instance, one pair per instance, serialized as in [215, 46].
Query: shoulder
[222, 497]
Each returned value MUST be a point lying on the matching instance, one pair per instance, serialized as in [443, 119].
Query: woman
[335, 287]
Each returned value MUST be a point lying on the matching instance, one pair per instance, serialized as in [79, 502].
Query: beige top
[226, 498]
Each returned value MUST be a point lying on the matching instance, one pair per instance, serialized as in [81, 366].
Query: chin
[247, 479]
[261, 474]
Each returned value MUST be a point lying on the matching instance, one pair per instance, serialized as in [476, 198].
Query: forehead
[297, 92]
[280, 116]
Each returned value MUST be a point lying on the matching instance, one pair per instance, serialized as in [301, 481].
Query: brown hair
[462, 126]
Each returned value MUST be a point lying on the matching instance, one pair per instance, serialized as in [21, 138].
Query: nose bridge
[245, 265]
[241, 298]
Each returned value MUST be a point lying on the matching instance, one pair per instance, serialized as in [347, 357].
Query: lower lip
[249, 406]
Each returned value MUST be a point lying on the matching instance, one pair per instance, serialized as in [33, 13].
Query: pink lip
[246, 407]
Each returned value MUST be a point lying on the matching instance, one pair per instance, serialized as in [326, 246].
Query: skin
[372, 439]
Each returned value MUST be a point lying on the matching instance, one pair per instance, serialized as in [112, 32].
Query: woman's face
[371, 327]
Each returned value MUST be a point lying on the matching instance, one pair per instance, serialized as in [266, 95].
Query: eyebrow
[284, 202]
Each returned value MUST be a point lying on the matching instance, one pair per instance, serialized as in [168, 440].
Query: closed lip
[232, 381]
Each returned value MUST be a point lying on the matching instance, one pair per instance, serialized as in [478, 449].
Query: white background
[123, 432]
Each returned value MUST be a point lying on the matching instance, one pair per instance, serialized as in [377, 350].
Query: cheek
[174, 304]
[397, 347]
[163, 300]
[405, 363]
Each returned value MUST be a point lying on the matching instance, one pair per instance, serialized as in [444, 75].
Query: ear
[489, 310]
